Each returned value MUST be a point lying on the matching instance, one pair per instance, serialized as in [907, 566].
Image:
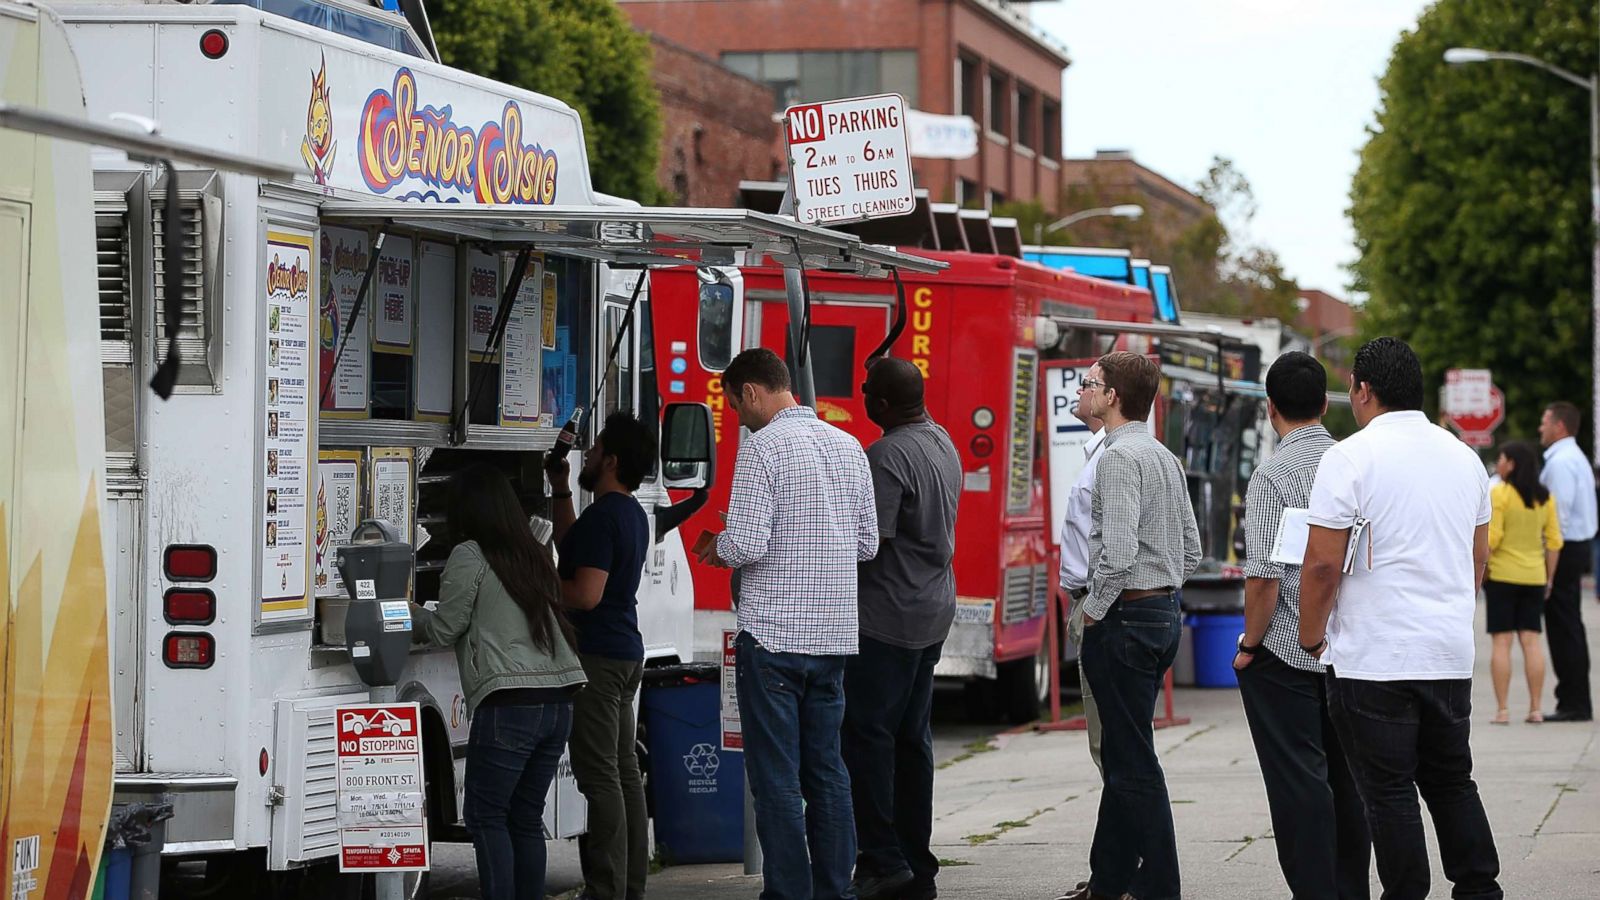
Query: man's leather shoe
[1561, 715]
[1082, 892]
[881, 887]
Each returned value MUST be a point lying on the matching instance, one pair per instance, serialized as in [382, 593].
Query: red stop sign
[1477, 429]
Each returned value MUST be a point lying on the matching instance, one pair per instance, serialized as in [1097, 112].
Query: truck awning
[1155, 329]
[638, 235]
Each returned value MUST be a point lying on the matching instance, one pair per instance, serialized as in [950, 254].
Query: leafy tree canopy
[583, 52]
[1471, 204]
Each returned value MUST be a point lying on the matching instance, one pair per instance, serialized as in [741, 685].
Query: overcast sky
[1285, 88]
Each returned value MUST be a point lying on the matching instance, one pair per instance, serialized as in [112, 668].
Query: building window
[999, 103]
[996, 198]
[828, 74]
[968, 89]
[966, 191]
[1051, 128]
[1025, 116]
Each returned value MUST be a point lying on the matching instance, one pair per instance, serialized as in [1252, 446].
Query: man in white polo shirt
[1412, 503]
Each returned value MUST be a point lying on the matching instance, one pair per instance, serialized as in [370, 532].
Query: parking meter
[376, 566]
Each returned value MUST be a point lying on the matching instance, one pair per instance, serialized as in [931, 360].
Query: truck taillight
[214, 44]
[188, 651]
[189, 606]
[190, 562]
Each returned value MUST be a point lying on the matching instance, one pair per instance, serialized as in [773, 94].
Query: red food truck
[978, 330]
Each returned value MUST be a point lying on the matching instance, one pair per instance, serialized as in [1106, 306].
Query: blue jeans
[888, 748]
[1125, 656]
[1405, 737]
[512, 752]
[792, 707]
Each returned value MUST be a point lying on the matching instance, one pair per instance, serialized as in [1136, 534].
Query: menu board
[338, 512]
[547, 327]
[286, 462]
[483, 298]
[344, 263]
[436, 294]
[392, 488]
[520, 355]
[394, 297]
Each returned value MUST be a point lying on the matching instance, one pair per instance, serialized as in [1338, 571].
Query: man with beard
[602, 558]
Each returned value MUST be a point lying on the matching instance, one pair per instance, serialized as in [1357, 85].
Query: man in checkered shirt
[801, 515]
[1324, 848]
[1143, 545]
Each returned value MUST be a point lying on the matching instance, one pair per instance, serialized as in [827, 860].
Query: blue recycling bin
[117, 873]
[1216, 642]
[696, 787]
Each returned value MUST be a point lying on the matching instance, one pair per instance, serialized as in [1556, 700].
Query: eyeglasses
[1089, 383]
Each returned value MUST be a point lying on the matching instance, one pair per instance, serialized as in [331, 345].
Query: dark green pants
[615, 851]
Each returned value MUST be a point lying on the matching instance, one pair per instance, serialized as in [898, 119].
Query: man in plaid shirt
[1324, 848]
[801, 515]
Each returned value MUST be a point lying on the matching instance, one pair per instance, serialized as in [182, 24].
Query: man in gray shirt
[907, 603]
[1143, 545]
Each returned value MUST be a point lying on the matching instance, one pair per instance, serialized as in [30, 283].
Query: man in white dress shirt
[1571, 482]
[1075, 557]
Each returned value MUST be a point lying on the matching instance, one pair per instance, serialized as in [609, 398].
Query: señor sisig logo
[492, 165]
[319, 147]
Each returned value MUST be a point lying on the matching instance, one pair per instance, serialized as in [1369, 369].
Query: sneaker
[881, 887]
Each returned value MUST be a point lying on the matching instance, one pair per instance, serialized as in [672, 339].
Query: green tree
[1470, 203]
[583, 52]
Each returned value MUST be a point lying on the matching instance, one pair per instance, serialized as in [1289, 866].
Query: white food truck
[346, 340]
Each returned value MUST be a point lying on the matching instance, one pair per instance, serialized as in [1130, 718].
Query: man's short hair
[1135, 379]
[1567, 414]
[633, 444]
[1298, 386]
[1392, 369]
[758, 366]
[897, 382]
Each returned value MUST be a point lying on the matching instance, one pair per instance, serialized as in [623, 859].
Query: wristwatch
[1248, 649]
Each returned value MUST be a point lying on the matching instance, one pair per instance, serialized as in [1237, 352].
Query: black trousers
[1402, 737]
[1563, 626]
[1324, 848]
[888, 749]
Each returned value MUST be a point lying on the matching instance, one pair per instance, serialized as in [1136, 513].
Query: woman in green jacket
[499, 605]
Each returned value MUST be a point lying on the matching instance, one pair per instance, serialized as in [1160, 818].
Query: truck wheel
[1024, 686]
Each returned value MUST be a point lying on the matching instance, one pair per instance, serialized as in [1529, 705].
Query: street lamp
[1335, 334]
[1464, 55]
[1121, 211]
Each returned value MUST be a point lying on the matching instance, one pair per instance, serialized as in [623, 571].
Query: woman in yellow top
[1524, 541]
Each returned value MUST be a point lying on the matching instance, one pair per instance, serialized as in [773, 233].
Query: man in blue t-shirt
[602, 558]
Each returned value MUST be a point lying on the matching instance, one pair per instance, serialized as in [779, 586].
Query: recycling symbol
[702, 761]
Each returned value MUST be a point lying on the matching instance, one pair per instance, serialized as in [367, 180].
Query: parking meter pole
[752, 843]
[377, 567]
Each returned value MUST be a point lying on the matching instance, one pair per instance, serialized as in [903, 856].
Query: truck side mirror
[688, 446]
[688, 460]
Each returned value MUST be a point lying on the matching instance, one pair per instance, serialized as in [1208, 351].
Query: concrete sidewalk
[1017, 821]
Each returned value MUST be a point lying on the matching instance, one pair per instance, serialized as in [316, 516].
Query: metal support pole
[752, 842]
[387, 885]
[805, 388]
[1594, 267]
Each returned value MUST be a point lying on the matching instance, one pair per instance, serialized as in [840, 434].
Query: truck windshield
[339, 20]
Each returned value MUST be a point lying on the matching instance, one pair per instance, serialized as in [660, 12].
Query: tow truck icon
[381, 721]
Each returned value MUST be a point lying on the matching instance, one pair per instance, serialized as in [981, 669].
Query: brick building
[1330, 323]
[980, 58]
[716, 127]
[1111, 177]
